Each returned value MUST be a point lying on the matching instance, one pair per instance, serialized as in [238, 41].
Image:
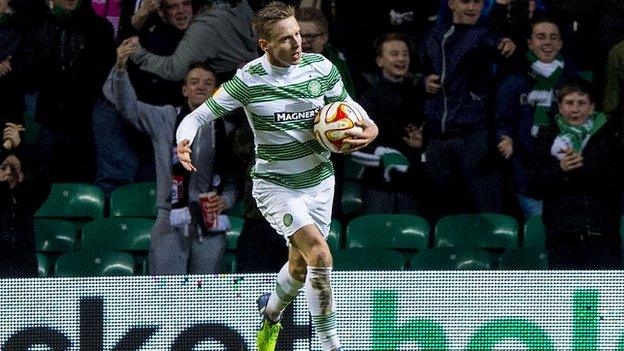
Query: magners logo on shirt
[295, 116]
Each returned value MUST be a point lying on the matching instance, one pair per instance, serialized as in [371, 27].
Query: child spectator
[576, 167]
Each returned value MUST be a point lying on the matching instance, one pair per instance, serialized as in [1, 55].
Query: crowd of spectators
[469, 95]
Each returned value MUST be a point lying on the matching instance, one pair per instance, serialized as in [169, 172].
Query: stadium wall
[377, 311]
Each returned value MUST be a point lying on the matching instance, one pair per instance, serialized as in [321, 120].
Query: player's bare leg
[309, 261]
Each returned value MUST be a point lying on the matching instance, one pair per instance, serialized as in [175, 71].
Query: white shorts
[288, 210]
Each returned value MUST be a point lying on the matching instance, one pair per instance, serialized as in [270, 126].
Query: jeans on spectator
[118, 155]
[463, 163]
[530, 206]
[377, 201]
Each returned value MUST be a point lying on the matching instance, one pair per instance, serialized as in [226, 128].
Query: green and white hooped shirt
[280, 104]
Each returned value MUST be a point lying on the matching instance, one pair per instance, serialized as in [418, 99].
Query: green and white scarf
[388, 158]
[547, 76]
[575, 137]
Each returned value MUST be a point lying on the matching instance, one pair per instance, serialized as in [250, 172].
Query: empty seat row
[89, 263]
[446, 258]
[395, 231]
[372, 231]
[126, 234]
[79, 201]
[111, 263]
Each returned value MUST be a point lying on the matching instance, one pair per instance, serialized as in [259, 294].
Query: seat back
[89, 263]
[43, 265]
[335, 235]
[351, 197]
[368, 259]
[238, 210]
[452, 258]
[391, 231]
[124, 234]
[234, 232]
[534, 232]
[73, 200]
[54, 235]
[229, 263]
[134, 200]
[524, 258]
[479, 230]
[352, 169]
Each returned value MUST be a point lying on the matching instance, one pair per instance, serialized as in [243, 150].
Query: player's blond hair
[274, 11]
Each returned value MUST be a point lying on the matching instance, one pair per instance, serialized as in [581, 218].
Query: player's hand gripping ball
[331, 123]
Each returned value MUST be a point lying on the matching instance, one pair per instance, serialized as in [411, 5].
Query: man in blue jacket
[458, 61]
[526, 103]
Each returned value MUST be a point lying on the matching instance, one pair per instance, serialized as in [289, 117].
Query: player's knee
[320, 256]
[299, 272]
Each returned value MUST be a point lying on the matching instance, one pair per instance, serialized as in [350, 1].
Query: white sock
[286, 290]
[320, 298]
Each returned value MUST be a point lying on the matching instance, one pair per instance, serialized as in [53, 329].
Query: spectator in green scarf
[576, 168]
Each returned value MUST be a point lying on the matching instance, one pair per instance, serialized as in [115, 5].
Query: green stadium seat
[54, 235]
[524, 258]
[335, 234]
[479, 230]
[234, 232]
[452, 258]
[622, 231]
[122, 234]
[90, 263]
[43, 265]
[238, 210]
[534, 232]
[134, 200]
[353, 170]
[368, 260]
[351, 198]
[229, 264]
[388, 231]
[32, 129]
[73, 201]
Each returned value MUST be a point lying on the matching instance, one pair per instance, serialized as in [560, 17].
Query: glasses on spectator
[311, 36]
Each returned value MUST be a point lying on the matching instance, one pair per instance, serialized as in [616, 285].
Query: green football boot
[266, 337]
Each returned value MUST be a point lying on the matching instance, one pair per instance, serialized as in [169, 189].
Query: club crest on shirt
[288, 219]
[314, 87]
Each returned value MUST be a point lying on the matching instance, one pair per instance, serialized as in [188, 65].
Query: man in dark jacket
[11, 55]
[73, 51]
[576, 166]
[526, 102]
[393, 177]
[458, 62]
[19, 199]
[124, 154]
